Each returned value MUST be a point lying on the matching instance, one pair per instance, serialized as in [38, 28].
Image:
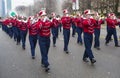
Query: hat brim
[44, 15]
[89, 13]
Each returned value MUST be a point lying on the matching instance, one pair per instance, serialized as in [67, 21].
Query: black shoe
[47, 69]
[23, 48]
[80, 43]
[98, 48]
[67, 52]
[33, 57]
[85, 60]
[117, 45]
[93, 61]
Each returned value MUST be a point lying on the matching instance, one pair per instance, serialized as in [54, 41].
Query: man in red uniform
[54, 28]
[18, 22]
[8, 26]
[73, 26]
[33, 34]
[88, 29]
[79, 29]
[107, 27]
[4, 27]
[66, 23]
[23, 31]
[112, 22]
[14, 24]
[44, 26]
[99, 21]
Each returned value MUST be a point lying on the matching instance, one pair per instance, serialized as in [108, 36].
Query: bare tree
[102, 6]
[67, 5]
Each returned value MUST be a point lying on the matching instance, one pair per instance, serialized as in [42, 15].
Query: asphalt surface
[17, 63]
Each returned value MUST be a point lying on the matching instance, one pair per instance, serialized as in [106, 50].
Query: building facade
[2, 8]
[8, 6]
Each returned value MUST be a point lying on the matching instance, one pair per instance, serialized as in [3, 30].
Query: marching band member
[88, 29]
[73, 25]
[33, 34]
[54, 28]
[66, 23]
[10, 27]
[79, 29]
[23, 31]
[14, 24]
[44, 25]
[112, 22]
[18, 22]
[99, 21]
[60, 25]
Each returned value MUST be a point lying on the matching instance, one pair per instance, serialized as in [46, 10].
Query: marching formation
[40, 27]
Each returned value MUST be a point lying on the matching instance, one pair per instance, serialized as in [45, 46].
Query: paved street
[17, 63]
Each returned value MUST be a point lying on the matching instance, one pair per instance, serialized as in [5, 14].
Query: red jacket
[44, 28]
[18, 23]
[111, 23]
[66, 22]
[14, 22]
[7, 21]
[33, 30]
[55, 22]
[23, 26]
[28, 23]
[89, 25]
[78, 22]
[98, 23]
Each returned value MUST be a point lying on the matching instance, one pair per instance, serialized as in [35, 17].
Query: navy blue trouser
[15, 32]
[73, 29]
[60, 27]
[11, 32]
[66, 34]
[112, 31]
[18, 35]
[3, 27]
[54, 33]
[23, 35]
[57, 30]
[107, 28]
[97, 37]
[79, 32]
[6, 30]
[88, 38]
[33, 41]
[44, 43]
